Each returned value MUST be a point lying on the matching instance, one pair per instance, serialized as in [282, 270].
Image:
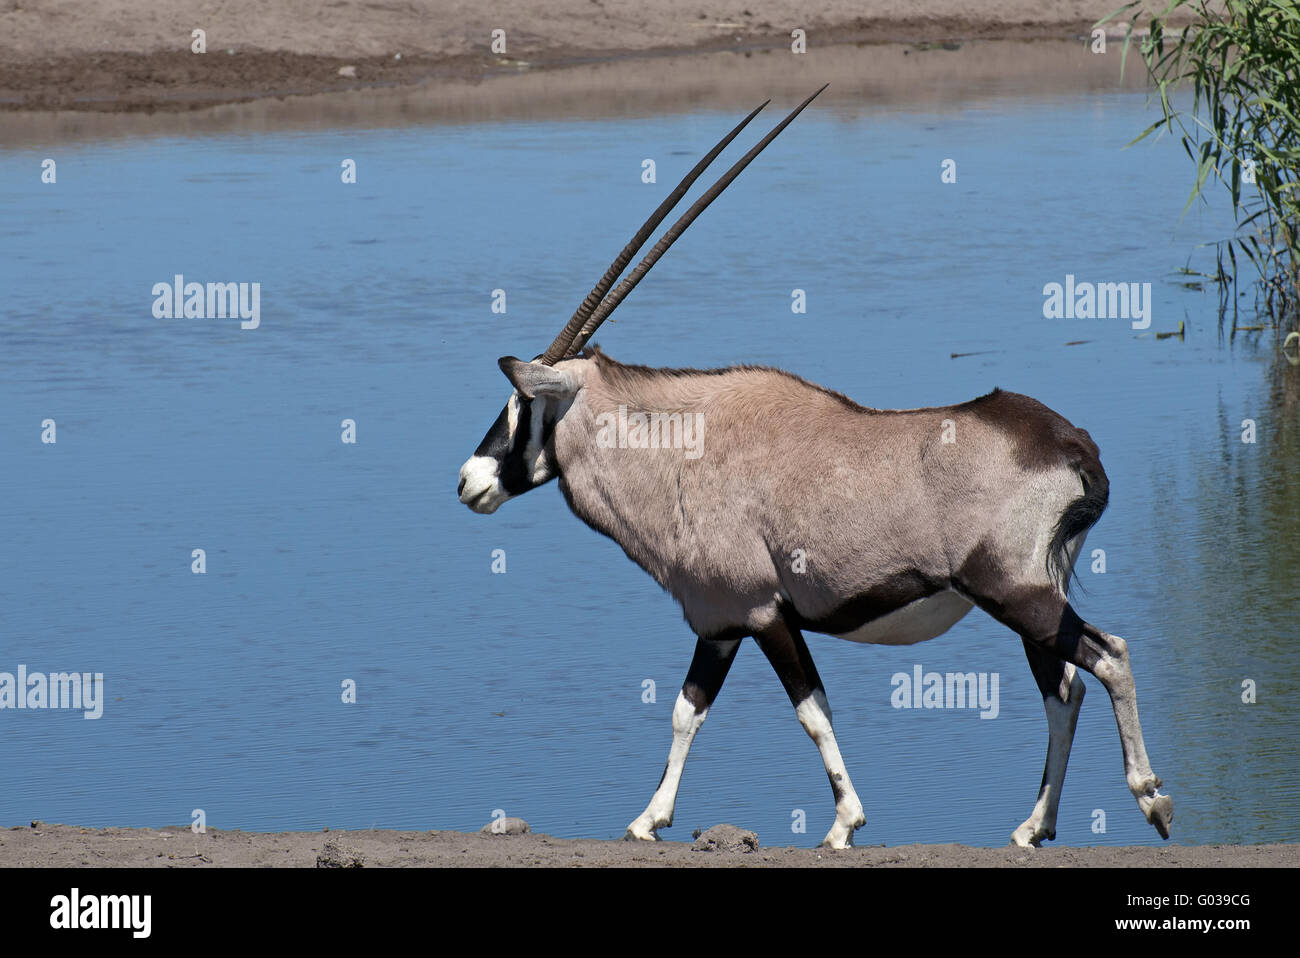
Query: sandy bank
[135, 55]
[70, 846]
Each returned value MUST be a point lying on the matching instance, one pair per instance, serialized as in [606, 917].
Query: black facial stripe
[548, 426]
[496, 443]
[514, 472]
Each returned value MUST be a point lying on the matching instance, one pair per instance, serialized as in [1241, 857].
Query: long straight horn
[611, 301]
[560, 347]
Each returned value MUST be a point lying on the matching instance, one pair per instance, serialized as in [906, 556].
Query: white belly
[914, 622]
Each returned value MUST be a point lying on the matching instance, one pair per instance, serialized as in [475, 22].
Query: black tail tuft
[1079, 516]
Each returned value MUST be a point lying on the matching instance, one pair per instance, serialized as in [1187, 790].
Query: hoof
[841, 837]
[1161, 814]
[1025, 837]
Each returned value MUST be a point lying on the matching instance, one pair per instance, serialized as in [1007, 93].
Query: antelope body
[801, 510]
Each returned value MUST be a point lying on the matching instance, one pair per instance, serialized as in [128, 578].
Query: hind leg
[1063, 692]
[1112, 667]
[1046, 621]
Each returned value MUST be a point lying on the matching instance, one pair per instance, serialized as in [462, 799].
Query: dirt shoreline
[69, 846]
[124, 56]
[862, 80]
[176, 81]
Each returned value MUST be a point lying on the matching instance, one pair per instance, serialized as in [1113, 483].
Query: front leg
[785, 648]
[709, 667]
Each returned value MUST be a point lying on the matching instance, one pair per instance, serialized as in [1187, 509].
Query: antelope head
[518, 452]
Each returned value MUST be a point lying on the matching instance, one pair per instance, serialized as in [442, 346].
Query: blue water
[328, 562]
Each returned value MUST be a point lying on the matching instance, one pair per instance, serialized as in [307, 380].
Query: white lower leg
[659, 813]
[1062, 717]
[1115, 673]
[815, 716]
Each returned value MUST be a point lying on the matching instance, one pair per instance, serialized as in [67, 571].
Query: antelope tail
[1079, 516]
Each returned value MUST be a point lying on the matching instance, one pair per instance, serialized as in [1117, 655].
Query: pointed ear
[534, 379]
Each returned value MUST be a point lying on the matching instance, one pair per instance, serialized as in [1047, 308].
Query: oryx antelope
[900, 532]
